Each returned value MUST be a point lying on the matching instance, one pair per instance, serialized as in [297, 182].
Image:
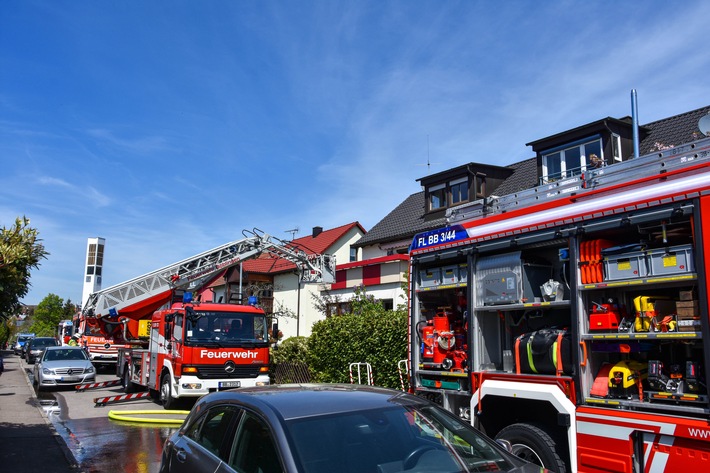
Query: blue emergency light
[187, 298]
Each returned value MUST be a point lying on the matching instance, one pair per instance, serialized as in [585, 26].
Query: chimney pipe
[317, 231]
[635, 122]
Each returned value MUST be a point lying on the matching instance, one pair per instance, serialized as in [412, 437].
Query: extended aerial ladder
[153, 289]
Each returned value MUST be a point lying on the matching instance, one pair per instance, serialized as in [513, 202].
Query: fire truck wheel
[533, 444]
[166, 398]
[128, 385]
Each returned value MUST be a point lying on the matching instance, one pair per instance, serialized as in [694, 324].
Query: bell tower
[94, 266]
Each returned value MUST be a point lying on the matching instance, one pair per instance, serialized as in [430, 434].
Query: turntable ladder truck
[571, 318]
[188, 349]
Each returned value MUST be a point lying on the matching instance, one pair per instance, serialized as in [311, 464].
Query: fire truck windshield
[226, 328]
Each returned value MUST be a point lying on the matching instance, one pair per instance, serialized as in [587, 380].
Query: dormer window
[459, 191]
[454, 192]
[571, 159]
[460, 186]
[437, 197]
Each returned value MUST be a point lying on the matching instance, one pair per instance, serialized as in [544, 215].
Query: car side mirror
[507, 446]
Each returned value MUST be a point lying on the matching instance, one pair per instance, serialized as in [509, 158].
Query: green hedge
[377, 337]
[291, 350]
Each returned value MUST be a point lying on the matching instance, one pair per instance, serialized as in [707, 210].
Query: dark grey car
[36, 346]
[329, 428]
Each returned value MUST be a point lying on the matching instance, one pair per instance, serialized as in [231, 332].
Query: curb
[66, 451]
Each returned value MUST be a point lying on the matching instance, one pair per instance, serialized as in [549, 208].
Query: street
[100, 444]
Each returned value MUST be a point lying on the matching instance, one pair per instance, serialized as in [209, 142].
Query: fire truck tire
[166, 398]
[128, 385]
[533, 444]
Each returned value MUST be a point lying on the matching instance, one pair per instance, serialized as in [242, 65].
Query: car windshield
[64, 355]
[398, 439]
[43, 342]
[226, 327]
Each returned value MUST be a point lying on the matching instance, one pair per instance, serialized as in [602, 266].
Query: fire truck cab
[198, 349]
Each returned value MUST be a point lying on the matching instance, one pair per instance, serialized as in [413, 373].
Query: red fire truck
[102, 349]
[570, 319]
[179, 348]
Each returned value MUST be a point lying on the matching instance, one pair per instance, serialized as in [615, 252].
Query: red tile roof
[320, 244]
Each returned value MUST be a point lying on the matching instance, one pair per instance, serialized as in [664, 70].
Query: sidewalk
[28, 441]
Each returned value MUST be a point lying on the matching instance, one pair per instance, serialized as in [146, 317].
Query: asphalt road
[100, 444]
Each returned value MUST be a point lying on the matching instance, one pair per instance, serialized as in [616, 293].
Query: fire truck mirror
[168, 329]
[190, 314]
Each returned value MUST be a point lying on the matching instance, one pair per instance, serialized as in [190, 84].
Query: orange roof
[320, 244]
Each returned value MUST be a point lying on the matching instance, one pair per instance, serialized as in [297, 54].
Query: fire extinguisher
[426, 334]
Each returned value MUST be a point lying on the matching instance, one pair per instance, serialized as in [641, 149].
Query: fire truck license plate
[230, 384]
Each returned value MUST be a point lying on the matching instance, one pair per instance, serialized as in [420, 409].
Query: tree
[69, 310]
[20, 251]
[47, 316]
[6, 331]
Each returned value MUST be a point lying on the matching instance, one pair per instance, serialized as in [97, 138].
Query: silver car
[63, 366]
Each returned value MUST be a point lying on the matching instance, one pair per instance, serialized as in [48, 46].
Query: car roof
[292, 401]
[64, 347]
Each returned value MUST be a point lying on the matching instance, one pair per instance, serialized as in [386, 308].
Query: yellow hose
[128, 416]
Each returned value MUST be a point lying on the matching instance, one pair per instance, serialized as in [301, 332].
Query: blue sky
[168, 127]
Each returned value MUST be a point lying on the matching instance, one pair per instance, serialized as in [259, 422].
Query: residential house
[603, 142]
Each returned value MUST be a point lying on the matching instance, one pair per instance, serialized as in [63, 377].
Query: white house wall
[286, 292]
[372, 251]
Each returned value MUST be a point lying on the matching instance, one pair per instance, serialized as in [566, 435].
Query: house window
[338, 308]
[459, 191]
[353, 254]
[616, 147]
[570, 160]
[452, 193]
[437, 197]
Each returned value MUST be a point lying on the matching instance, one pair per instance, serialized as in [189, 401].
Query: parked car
[19, 347]
[63, 366]
[35, 347]
[329, 428]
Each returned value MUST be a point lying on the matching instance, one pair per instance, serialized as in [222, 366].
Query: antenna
[293, 232]
[428, 163]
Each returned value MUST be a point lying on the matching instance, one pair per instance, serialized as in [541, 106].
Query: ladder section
[677, 158]
[192, 272]
[176, 275]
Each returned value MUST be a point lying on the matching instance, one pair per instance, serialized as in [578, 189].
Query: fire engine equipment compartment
[509, 279]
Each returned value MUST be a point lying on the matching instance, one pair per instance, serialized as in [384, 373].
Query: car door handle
[181, 455]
